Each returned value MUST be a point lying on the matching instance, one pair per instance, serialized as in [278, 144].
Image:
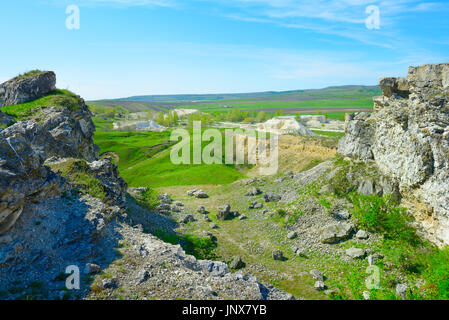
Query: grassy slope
[144, 161]
[56, 98]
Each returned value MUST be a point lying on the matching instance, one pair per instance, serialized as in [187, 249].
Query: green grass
[144, 161]
[200, 248]
[254, 105]
[78, 173]
[57, 98]
[329, 133]
[28, 74]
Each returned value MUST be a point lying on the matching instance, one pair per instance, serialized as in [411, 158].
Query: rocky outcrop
[27, 87]
[408, 138]
[5, 120]
[23, 178]
[53, 131]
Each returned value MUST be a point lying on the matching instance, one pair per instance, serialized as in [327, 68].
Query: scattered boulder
[243, 217]
[366, 295]
[91, 268]
[341, 214]
[292, 235]
[142, 276]
[201, 210]
[254, 191]
[278, 255]
[165, 198]
[188, 218]
[237, 263]
[317, 275]
[401, 290]
[355, 253]
[300, 252]
[270, 197]
[374, 258]
[200, 194]
[336, 232]
[215, 268]
[319, 285]
[213, 226]
[255, 205]
[361, 234]
[191, 193]
[224, 212]
[109, 283]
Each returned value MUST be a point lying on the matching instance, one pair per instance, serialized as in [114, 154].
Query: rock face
[23, 177]
[24, 146]
[26, 88]
[408, 138]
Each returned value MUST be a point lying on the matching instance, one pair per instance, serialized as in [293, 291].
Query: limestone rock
[224, 212]
[336, 232]
[320, 286]
[355, 253]
[278, 255]
[237, 263]
[26, 88]
[317, 275]
[361, 234]
[408, 138]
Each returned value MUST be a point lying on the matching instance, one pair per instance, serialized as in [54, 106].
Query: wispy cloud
[123, 3]
[344, 18]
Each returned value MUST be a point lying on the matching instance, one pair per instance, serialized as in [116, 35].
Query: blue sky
[136, 47]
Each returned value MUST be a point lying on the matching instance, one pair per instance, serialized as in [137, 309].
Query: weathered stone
[270, 197]
[336, 232]
[394, 86]
[317, 275]
[224, 212]
[237, 263]
[200, 194]
[254, 191]
[355, 253]
[366, 295]
[401, 290]
[319, 285]
[292, 235]
[109, 283]
[278, 255]
[201, 210]
[341, 214]
[361, 234]
[91, 268]
[188, 218]
[26, 88]
[408, 139]
[374, 258]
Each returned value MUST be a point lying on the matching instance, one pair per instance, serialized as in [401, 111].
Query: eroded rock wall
[407, 136]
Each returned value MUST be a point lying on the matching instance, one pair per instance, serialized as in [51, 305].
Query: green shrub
[78, 173]
[148, 199]
[382, 215]
[437, 275]
[200, 248]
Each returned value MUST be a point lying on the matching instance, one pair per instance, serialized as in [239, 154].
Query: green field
[298, 101]
[144, 161]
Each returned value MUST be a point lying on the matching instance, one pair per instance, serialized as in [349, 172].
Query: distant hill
[339, 99]
[337, 91]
